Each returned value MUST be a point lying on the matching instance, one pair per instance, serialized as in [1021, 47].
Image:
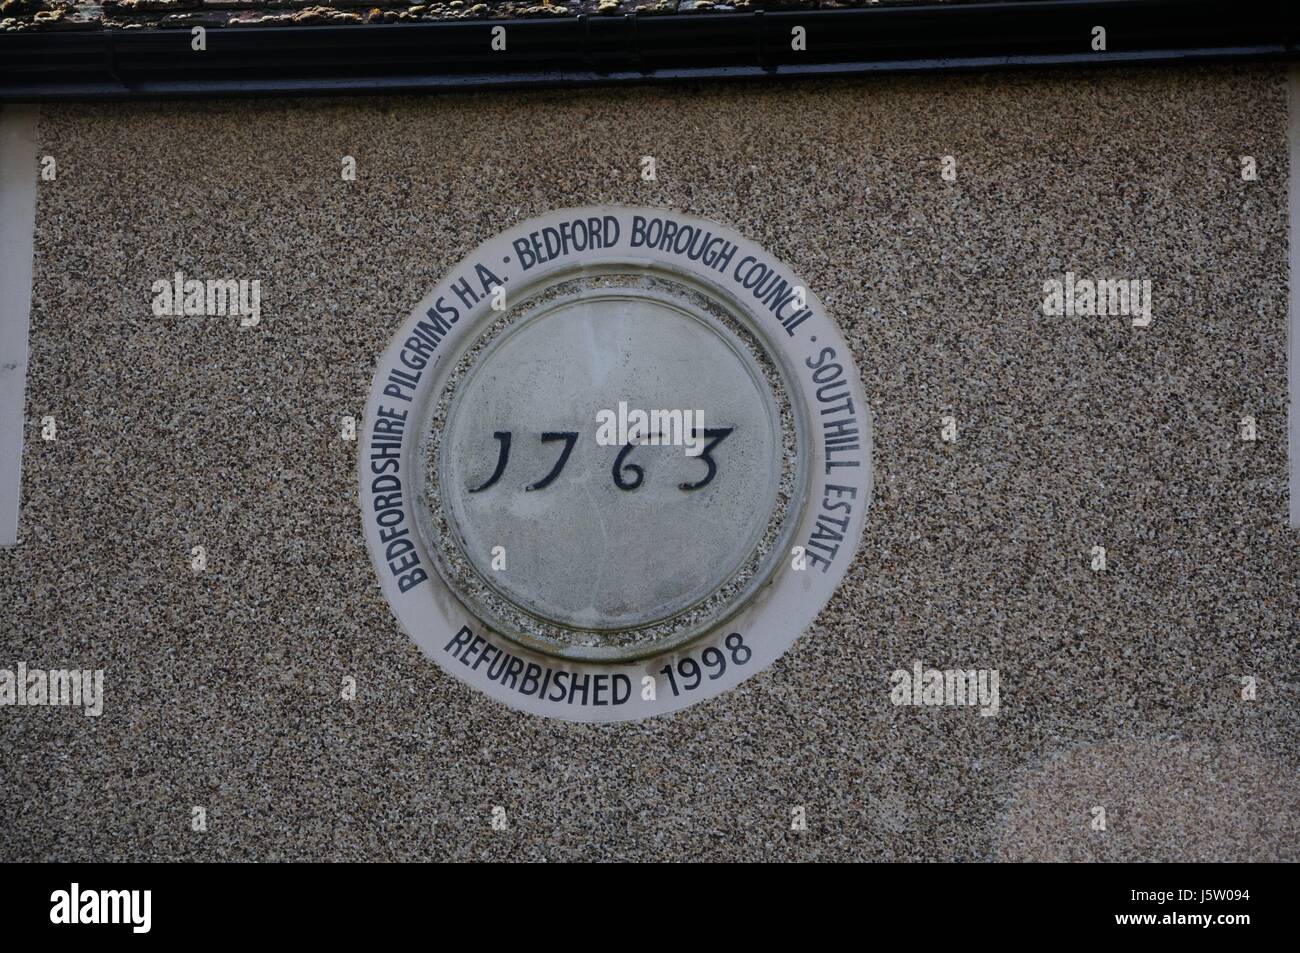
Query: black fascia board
[594, 50]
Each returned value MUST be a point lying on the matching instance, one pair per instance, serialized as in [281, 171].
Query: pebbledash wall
[1120, 688]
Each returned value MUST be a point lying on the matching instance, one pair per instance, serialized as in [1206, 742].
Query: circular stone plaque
[614, 464]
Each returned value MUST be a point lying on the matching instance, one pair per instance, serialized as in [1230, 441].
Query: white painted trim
[1293, 301]
[17, 232]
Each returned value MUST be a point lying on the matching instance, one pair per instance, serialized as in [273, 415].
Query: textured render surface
[222, 689]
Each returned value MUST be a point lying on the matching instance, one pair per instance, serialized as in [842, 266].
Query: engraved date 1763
[627, 476]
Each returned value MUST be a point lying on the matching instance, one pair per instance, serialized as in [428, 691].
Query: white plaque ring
[572, 577]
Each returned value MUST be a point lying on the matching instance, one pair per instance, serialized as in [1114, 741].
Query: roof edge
[596, 50]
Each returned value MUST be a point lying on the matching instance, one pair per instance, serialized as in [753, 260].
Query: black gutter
[589, 50]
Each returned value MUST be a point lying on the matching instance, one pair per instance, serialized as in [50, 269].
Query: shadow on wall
[1152, 801]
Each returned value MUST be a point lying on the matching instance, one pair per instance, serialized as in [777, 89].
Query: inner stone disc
[581, 551]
